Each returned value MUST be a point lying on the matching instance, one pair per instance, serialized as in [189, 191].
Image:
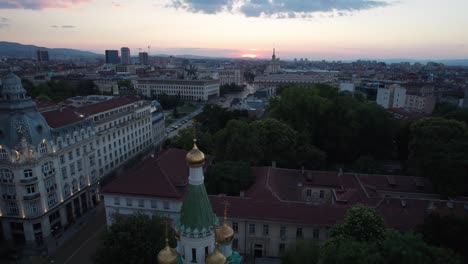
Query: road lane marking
[84, 243]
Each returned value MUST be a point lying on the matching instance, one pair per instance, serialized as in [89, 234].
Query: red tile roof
[61, 117]
[273, 196]
[107, 105]
[164, 176]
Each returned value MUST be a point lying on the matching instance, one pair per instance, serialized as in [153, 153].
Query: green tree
[447, 231]
[309, 156]
[367, 164]
[237, 142]
[131, 239]
[229, 177]
[439, 151]
[361, 224]
[184, 140]
[277, 140]
[214, 118]
[303, 251]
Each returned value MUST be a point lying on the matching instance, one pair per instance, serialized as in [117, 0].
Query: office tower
[112, 57]
[125, 56]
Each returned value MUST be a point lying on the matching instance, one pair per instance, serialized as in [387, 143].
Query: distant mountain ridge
[18, 50]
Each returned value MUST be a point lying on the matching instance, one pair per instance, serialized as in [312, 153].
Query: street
[80, 248]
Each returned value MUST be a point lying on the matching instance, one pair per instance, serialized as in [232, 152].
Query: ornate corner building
[51, 161]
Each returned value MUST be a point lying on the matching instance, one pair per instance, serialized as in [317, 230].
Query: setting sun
[249, 55]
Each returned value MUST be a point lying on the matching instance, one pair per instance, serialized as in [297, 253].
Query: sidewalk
[61, 249]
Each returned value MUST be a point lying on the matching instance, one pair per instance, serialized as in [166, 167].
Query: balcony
[29, 180]
[31, 196]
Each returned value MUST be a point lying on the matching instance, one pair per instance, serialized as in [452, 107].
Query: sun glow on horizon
[249, 55]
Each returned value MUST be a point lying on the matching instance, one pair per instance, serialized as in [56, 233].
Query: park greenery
[230, 88]
[363, 238]
[321, 128]
[132, 239]
[59, 90]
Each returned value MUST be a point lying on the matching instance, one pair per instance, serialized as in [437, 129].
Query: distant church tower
[274, 66]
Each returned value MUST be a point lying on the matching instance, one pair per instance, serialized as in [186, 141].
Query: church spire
[273, 57]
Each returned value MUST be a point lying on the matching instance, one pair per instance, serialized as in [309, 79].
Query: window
[74, 186]
[266, 230]
[141, 203]
[235, 227]
[82, 181]
[43, 148]
[322, 194]
[62, 159]
[194, 255]
[235, 243]
[78, 153]
[282, 248]
[79, 166]
[3, 154]
[70, 155]
[309, 193]
[117, 200]
[252, 229]
[52, 199]
[32, 208]
[129, 201]
[166, 205]
[28, 173]
[283, 231]
[6, 175]
[154, 204]
[47, 168]
[316, 233]
[12, 208]
[49, 184]
[31, 188]
[66, 190]
[64, 173]
[299, 232]
[72, 169]
[206, 252]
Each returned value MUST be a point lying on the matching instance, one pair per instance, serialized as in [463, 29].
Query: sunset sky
[313, 29]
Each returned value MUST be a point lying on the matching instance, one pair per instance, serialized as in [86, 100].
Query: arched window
[47, 168]
[74, 186]
[43, 147]
[6, 176]
[66, 190]
[3, 154]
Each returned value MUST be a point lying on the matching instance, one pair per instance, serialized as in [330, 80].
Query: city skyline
[342, 30]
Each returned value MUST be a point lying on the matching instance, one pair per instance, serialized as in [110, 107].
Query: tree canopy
[131, 239]
[439, 150]
[344, 126]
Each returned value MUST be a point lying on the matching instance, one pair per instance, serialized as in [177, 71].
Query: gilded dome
[215, 257]
[224, 234]
[195, 157]
[168, 255]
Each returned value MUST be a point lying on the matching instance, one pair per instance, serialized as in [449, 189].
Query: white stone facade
[188, 90]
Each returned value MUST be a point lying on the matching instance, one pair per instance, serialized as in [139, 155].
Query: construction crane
[149, 49]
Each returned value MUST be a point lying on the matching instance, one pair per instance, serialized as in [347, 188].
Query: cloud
[38, 4]
[277, 8]
[63, 26]
[203, 6]
[4, 22]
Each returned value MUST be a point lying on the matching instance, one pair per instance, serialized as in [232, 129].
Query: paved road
[81, 248]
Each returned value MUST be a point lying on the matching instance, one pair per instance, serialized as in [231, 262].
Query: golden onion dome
[168, 255]
[176, 234]
[224, 234]
[195, 157]
[216, 257]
